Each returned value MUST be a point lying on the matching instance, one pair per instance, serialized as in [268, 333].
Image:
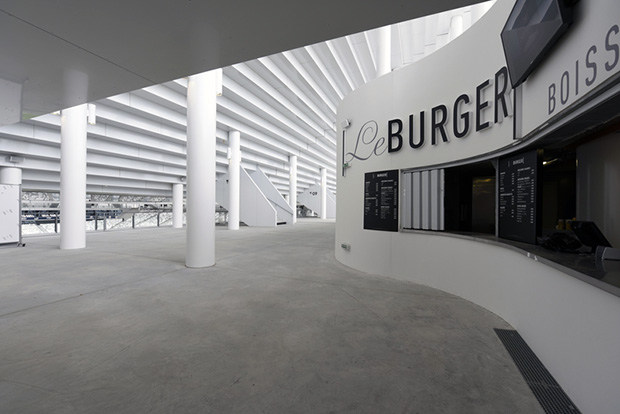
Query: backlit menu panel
[517, 179]
[381, 200]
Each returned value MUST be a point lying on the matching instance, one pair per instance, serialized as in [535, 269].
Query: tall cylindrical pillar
[201, 127]
[292, 201]
[177, 205]
[456, 27]
[234, 167]
[323, 193]
[73, 178]
[10, 175]
[384, 58]
[479, 10]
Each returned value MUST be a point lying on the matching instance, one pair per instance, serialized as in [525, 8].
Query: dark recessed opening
[470, 198]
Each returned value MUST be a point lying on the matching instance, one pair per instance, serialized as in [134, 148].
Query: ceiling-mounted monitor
[533, 27]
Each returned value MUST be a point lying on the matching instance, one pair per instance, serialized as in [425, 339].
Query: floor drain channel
[546, 390]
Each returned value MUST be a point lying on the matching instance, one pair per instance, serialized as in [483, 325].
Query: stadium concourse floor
[276, 326]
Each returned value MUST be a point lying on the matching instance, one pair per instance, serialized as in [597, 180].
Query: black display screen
[533, 27]
[381, 200]
[518, 197]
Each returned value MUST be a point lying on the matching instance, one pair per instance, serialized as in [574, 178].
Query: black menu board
[381, 200]
[518, 197]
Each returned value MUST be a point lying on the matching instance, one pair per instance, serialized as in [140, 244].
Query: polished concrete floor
[277, 326]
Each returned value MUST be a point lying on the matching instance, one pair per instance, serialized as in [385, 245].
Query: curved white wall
[572, 326]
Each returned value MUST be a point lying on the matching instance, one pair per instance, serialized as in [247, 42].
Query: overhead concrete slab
[67, 52]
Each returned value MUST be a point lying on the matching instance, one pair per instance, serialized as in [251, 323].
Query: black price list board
[381, 200]
[518, 197]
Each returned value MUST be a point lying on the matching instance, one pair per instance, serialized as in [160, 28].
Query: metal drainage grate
[546, 390]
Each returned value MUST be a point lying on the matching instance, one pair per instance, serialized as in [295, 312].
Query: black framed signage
[381, 200]
[532, 29]
[518, 178]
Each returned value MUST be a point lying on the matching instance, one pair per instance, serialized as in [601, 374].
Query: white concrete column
[234, 177]
[292, 201]
[73, 178]
[201, 110]
[479, 10]
[456, 27]
[177, 205]
[323, 193]
[384, 58]
[10, 175]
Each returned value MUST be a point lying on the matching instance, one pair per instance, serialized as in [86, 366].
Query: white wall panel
[283, 211]
[255, 209]
[311, 198]
[416, 205]
[10, 214]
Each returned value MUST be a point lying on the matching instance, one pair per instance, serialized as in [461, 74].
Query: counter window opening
[456, 199]
[545, 190]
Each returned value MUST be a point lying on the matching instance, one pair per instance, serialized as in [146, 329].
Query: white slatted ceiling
[282, 104]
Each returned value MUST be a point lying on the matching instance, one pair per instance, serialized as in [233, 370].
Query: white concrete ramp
[283, 210]
[255, 209]
[311, 198]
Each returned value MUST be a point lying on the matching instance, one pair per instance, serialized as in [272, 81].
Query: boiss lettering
[603, 57]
